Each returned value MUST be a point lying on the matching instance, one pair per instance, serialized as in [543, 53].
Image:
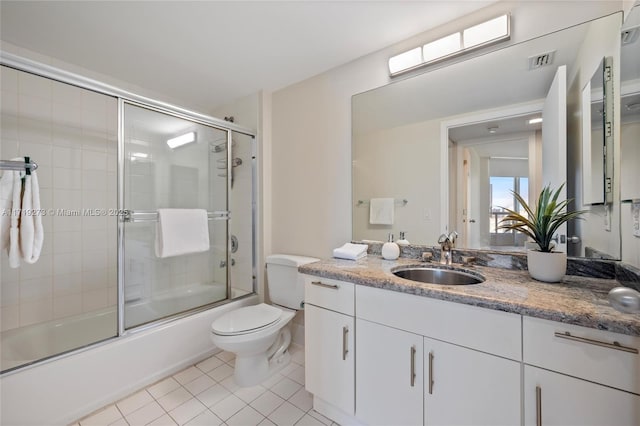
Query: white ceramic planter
[548, 267]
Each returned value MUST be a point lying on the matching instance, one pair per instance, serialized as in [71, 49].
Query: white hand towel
[31, 232]
[181, 231]
[351, 251]
[381, 211]
[6, 206]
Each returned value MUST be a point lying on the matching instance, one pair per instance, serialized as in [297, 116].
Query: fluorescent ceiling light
[535, 120]
[405, 60]
[495, 29]
[441, 47]
[181, 140]
[139, 155]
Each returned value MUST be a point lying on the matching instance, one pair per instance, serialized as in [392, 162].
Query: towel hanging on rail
[181, 231]
[381, 211]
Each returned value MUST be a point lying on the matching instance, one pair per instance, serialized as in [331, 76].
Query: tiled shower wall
[72, 134]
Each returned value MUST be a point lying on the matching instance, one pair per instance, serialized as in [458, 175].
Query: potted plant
[543, 221]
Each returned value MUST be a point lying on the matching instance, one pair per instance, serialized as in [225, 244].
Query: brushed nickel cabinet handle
[431, 373]
[615, 345]
[413, 366]
[345, 351]
[321, 284]
[538, 406]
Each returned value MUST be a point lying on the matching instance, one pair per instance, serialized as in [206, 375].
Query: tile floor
[205, 394]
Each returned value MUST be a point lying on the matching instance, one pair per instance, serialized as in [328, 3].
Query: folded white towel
[181, 231]
[31, 232]
[381, 211]
[351, 251]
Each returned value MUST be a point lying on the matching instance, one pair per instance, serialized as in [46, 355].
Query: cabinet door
[389, 375]
[469, 387]
[329, 357]
[564, 401]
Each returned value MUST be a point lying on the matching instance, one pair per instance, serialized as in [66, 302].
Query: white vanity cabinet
[330, 345]
[382, 357]
[389, 375]
[579, 376]
[404, 376]
[468, 387]
[554, 399]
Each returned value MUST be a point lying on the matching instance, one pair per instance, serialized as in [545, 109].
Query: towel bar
[18, 165]
[402, 202]
[152, 216]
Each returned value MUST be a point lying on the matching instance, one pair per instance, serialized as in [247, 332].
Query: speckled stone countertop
[576, 300]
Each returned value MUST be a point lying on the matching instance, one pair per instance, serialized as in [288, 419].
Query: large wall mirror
[630, 107]
[449, 145]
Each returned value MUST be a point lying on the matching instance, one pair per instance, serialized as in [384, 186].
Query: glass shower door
[171, 162]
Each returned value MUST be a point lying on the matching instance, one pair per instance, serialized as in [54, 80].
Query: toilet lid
[245, 319]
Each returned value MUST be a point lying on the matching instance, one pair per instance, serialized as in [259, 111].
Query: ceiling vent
[541, 60]
[630, 35]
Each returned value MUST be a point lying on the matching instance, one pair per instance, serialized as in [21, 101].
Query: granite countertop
[576, 300]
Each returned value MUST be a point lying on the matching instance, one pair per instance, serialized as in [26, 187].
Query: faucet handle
[427, 256]
[443, 238]
[468, 260]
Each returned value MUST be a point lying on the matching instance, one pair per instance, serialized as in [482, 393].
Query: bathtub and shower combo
[99, 315]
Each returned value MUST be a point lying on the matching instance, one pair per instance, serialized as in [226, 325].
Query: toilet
[258, 335]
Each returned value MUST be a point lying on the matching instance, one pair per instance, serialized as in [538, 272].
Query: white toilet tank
[286, 286]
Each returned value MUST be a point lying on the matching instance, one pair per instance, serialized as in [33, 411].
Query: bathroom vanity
[384, 350]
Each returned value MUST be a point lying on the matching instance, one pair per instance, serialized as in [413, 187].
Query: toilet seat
[248, 319]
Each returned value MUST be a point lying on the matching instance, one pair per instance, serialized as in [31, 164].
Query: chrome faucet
[447, 242]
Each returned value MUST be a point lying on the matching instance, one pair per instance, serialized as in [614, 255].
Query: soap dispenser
[402, 241]
[390, 250]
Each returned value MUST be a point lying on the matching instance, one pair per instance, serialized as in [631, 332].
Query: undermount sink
[434, 275]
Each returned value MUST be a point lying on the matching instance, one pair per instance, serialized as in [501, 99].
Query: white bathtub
[28, 344]
[24, 345]
[66, 388]
[170, 302]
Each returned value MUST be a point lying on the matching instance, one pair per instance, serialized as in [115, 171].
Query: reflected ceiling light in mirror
[480, 35]
[492, 129]
[181, 140]
[535, 120]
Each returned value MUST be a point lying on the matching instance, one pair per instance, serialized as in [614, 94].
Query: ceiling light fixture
[535, 120]
[182, 140]
[480, 35]
[492, 129]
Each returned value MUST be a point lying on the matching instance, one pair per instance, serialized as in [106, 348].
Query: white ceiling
[212, 52]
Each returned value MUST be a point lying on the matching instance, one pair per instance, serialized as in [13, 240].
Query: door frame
[466, 119]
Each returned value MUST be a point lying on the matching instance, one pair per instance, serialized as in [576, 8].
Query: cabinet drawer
[580, 353]
[330, 294]
[482, 329]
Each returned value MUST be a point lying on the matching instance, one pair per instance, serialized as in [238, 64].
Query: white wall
[410, 154]
[311, 168]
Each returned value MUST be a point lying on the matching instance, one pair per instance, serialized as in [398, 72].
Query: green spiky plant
[542, 222]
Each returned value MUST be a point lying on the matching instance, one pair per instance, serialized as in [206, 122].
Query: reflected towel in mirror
[381, 211]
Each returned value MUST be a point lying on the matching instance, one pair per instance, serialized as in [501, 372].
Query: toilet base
[251, 370]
